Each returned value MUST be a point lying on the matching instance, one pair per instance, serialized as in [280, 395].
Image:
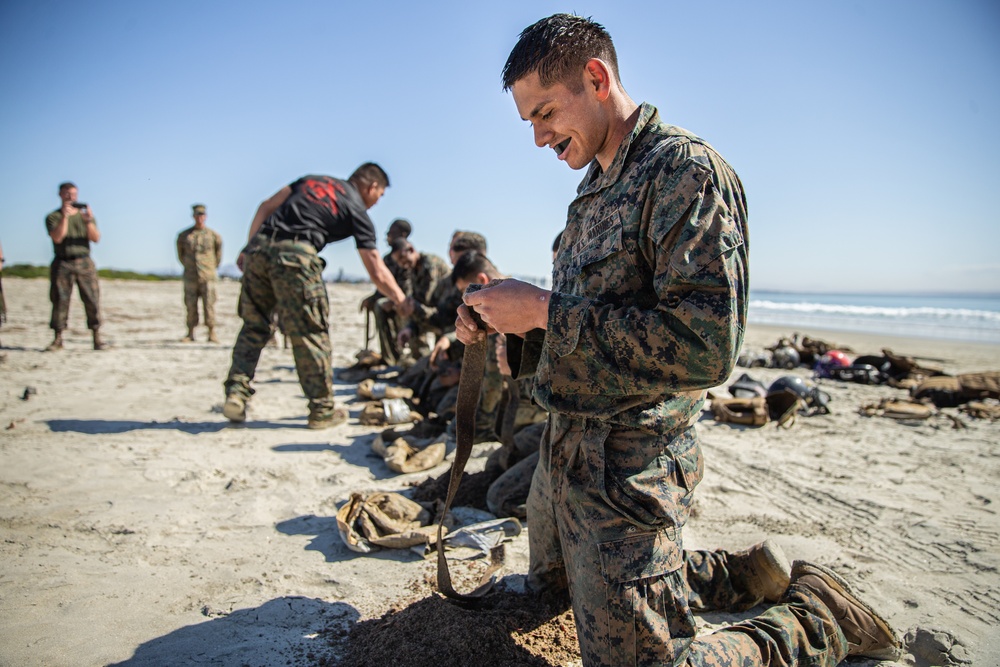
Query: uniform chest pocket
[602, 240]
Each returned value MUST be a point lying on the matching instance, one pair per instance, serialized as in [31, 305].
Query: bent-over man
[282, 270]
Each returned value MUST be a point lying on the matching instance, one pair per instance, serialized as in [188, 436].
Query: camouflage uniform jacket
[650, 286]
[427, 277]
[200, 252]
[404, 277]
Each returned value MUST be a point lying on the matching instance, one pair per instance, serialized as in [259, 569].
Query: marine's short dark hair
[399, 243]
[66, 185]
[369, 173]
[472, 263]
[555, 244]
[403, 226]
[463, 241]
[558, 48]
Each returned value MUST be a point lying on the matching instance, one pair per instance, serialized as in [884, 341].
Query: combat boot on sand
[99, 344]
[767, 570]
[868, 634]
[56, 344]
[211, 336]
[327, 418]
[235, 408]
[189, 338]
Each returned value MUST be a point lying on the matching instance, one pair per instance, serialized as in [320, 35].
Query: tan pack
[750, 411]
[388, 520]
[893, 409]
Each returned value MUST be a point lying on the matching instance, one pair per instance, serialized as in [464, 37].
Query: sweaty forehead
[530, 96]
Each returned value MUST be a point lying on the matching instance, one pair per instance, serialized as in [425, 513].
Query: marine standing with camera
[73, 228]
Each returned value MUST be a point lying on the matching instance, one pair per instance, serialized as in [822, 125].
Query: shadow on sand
[108, 426]
[285, 631]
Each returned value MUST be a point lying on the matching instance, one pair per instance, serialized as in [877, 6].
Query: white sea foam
[882, 316]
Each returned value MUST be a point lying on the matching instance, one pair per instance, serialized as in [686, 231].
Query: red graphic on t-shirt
[322, 192]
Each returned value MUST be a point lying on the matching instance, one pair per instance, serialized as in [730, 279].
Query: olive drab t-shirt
[322, 210]
[76, 244]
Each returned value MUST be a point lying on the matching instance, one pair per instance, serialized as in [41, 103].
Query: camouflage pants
[387, 326]
[63, 274]
[605, 514]
[203, 289]
[489, 394]
[286, 277]
[509, 492]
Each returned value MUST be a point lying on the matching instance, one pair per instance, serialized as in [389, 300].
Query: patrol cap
[198, 209]
[463, 241]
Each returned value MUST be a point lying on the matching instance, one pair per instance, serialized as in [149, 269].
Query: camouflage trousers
[202, 289]
[490, 393]
[387, 326]
[63, 274]
[508, 493]
[285, 277]
[605, 514]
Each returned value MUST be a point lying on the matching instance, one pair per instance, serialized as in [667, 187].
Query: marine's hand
[87, 214]
[466, 329]
[512, 306]
[405, 309]
[439, 354]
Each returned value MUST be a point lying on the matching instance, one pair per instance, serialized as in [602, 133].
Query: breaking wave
[981, 324]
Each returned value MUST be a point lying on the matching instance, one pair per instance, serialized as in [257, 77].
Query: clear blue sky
[865, 133]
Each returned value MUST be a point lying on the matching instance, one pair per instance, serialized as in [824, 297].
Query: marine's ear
[597, 77]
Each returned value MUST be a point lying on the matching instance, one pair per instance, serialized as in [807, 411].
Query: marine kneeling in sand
[647, 310]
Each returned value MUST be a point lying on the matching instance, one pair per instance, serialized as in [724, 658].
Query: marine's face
[371, 194]
[407, 257]
[67, 194]
[569, 123]
[199, 219]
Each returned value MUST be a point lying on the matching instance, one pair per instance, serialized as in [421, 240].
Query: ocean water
[973, 318]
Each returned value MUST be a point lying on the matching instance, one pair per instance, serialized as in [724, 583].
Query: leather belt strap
[469, 385]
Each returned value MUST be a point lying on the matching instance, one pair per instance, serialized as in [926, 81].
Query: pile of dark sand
[504, 629]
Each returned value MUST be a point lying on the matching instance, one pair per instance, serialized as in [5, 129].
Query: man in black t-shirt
[282, 272]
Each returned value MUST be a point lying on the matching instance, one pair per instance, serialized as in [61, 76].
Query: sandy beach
[139, 528]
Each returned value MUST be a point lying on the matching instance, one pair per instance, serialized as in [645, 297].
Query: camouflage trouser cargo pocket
[301, 282]
[646, 614]
[648, 479]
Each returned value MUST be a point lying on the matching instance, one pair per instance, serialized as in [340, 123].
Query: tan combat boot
[326, 418]
[868, 634]
[211, 336]
[235, 408]
[767, 570]
[98, 343]
[190, 337]
[56, 344]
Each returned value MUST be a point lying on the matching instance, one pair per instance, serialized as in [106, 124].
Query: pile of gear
[929, 387]
[753, 404]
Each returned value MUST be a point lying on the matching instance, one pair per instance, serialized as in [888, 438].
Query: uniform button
[673, 300]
